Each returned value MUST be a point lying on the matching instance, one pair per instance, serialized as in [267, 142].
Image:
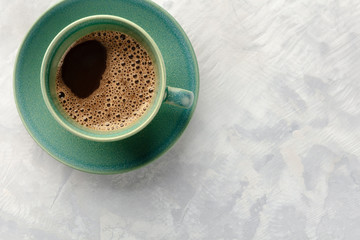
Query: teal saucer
[112, 157]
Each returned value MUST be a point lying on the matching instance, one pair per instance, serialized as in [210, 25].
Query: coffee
[106, 80]
[83, 67]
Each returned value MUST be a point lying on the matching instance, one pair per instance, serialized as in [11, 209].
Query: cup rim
[116, 135]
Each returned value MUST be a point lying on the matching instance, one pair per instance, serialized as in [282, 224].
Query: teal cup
[163, 94]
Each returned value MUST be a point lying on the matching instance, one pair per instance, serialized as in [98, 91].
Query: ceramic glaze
[110, 157]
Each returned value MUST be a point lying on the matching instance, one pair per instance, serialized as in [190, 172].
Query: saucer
[106, 157]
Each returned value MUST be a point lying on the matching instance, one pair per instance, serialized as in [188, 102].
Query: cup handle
[179, 97]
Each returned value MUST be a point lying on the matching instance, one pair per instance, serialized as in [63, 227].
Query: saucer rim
[171, 140]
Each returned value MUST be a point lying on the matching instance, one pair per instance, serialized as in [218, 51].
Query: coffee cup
[129, 89]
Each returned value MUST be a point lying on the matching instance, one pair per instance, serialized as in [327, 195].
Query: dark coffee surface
[83, 67]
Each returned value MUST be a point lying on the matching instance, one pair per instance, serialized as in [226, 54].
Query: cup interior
[65, 39]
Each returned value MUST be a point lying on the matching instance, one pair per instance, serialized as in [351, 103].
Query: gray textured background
[272, 151]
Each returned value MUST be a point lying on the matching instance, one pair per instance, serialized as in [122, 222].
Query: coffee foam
[126, 89]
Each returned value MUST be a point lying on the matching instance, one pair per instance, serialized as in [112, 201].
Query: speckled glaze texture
[272, 150]
[167, 123]
[71, 34]
[179, 97]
